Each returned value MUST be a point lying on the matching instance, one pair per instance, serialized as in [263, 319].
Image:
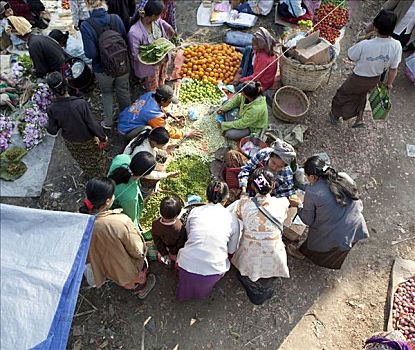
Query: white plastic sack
[43, 256]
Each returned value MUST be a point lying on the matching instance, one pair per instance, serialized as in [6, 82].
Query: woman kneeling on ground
[126, 173]
[117, 250]
[261, 256]
[245, 113]
[333, 211]
[212, 234]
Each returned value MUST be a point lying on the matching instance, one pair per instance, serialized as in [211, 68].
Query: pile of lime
[198, 91]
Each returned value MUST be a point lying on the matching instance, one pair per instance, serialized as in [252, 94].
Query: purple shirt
[138, 36]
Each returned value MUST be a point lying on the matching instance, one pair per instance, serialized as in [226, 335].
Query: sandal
[359, 125]
[333, 119]
[150, 283]
[293, 251]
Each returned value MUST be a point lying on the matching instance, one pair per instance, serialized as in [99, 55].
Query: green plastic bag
[380, 102]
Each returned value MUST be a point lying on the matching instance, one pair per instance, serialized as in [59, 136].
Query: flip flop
[151, 281]
[358, 125]
[333, 119]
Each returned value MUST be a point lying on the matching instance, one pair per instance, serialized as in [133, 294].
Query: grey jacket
[331, 225]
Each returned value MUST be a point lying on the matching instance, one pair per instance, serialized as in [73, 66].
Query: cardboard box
[293, 231]
[312, 50]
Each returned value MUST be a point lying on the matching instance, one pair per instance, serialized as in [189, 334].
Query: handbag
[380, 102]
[268, 215]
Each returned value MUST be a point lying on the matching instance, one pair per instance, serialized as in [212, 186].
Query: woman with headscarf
[259, 62]
[276, 159]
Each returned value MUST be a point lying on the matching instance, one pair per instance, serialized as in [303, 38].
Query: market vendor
[126, 173]
[293, 11]
[146, 27]
[148, 109]
[333, 211]
[13, 28]
[259, 62]
[276, 159]
[117, 251]
[245, 113]
[33, 11]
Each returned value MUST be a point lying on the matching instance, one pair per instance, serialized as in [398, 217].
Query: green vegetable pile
[199, 91]
[155, 52]
[27, 64]
[193, 179]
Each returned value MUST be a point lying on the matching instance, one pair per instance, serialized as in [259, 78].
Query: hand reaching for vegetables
[194, 134]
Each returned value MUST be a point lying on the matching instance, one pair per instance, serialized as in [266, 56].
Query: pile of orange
[211, 63]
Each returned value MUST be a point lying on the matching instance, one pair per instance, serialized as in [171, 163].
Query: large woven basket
[290, 104]
[306, 77]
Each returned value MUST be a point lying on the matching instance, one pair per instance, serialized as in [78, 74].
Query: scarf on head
[265, 40]
[284, 150]
[20, 24]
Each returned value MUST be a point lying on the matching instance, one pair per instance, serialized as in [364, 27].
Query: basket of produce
[290, 104]
[250, 145]
[330, 21]
[306, 77]
[155, 52]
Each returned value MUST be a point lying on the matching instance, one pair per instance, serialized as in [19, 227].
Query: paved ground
[315, 308]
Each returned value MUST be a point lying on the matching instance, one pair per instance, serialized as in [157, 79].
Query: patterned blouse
[261, 252]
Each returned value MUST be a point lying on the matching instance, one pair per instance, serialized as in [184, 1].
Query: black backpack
[112, 48]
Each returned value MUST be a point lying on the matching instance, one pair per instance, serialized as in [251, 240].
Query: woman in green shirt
[126, 173]
[253, 113]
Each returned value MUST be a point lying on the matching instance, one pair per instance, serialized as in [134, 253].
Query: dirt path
[315, 308]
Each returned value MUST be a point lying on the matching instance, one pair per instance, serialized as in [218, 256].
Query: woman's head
[159, 137]
[217, 192]
[164, 95]
[252, 90]
[5, 10]
[282, 155]
[170, 207]
[99, 195]
[151, 12]
[143, 163]
[341, 186]
[263, 181]
[385, 22]
[96, 4]
[59, 36]
[263, 41]
[57, 83]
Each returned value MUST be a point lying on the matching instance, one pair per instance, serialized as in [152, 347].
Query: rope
[278, 57]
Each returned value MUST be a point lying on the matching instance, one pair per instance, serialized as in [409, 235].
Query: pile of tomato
[211, 63]
[330, 25]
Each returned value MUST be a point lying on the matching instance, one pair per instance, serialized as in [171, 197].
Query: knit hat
[21, 25]
[3, 7]
[284, 150]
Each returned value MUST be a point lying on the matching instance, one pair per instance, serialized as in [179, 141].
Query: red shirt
[267, 77]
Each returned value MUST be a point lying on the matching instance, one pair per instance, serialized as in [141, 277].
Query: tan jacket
[117, 250]
[400, 7]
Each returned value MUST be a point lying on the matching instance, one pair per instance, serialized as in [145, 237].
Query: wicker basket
[289, 97]
[306, 77]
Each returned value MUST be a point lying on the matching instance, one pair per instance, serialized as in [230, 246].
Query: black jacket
[47, 55]
[123, 8]
[74, 117]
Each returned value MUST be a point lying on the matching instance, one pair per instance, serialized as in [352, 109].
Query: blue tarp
[43, 256]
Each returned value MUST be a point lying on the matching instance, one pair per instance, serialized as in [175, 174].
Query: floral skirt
[159, 76]
[90, 158]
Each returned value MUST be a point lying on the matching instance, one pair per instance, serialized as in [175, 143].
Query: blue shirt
[284, 186]
[144, 109]
[90, 38]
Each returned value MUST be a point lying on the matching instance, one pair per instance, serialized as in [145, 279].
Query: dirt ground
[316, 308]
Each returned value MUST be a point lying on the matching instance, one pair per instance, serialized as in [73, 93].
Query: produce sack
[380, 102]
[402, 271]
[155, 52]
[410, 67]
[238, 39]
